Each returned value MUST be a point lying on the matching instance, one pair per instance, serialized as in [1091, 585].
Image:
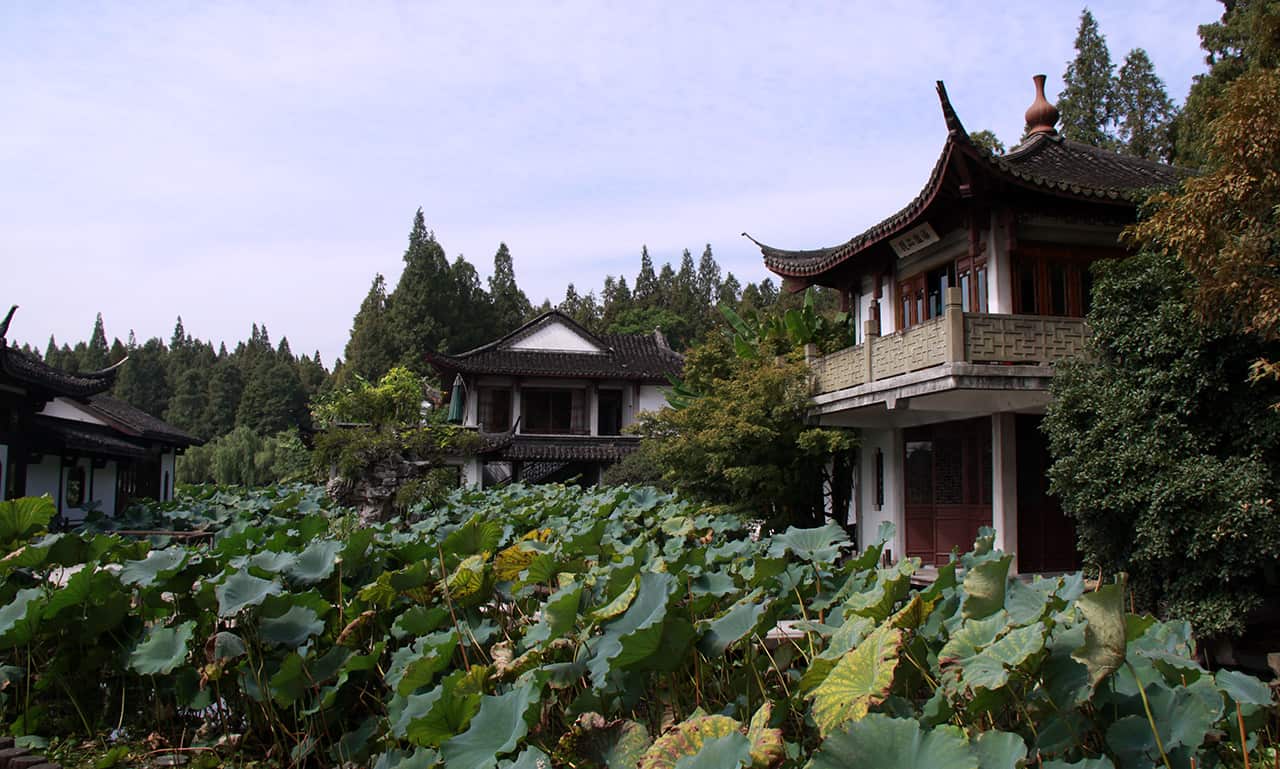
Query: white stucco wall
[999, 267]
[42, 478]
[889, 443]
[556, 336]
[651, 398]
[168, 460]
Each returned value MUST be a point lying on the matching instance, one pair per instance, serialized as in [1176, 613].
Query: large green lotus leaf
[1024, 603]
[969, 640]
[292, 628]
[559, 614]
[315, 563]
[1102, 762]
[984, 588]
[431, 718]
[159, 564]
[894, 743]
[269, 561]
[1105, 639]
[1184, 716]
[620, 602]
[529, 758]
[297, 673]
[1252, 695]
[1000, 750]
[890, 587]
[637, 633]
[687, 739]
[716, 583]
[861, 678]
[498, 728]
[731, 751]
[418, 621]
[419, 758]
[20, 617]
[22, 518]
[416, 665]
[226, 646]
[990, 668]
[164, 649]
[87, 586]
[738, 622]
[354, 745]
[821, 544]
[242, 590]
[466, 583]
[474, 537]
[1066, 680]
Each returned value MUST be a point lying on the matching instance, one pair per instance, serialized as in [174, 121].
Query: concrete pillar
[999, 265]
[869, 334]
[954, 320]
[593, 409]
[1004, 484]
[516, 398]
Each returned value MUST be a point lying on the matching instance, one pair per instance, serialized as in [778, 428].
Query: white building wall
[168, 461]
[999, 267]
[651, 398]
[1004, 484]
[870, 515]
[43, 478]
[104, 487]
[556, 336]
[62, 408]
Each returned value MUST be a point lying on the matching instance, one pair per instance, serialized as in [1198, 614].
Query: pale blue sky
[242, 162]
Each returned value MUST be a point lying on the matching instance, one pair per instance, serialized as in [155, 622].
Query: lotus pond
[554, 627]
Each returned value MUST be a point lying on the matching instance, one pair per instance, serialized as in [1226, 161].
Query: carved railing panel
[916, 348]
[1023, 338]
[839, 370]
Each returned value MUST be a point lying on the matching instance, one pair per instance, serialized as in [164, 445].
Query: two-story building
[62, 435]
[552, 399]
[965, 298]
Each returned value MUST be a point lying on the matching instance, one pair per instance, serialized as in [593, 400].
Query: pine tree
[51, 353]
[664, 292]
[188, 405]
[987, 140]
[1144, 110]
[117, 353]
[94, 357]
[510, 305]
[646, 290]
[371, 349]
[730, 291]
[413, 305]
[223, 398]
[708, 277]
[1086, 103]
[143, 382]
[273, 399]
[467, 312]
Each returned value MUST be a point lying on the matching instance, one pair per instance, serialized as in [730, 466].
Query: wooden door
[947, 475]
[1046, 536]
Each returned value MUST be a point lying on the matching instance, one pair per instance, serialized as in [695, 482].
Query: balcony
[956, 337]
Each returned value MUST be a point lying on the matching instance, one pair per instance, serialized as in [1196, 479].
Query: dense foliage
[1166, 454]
[615, 628]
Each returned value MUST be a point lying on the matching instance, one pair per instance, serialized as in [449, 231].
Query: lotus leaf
[593, 742]
[766, 743]
[497, 729]
[1105, 639]
[315, 563]
[159, 564]
[224, 646]
[984, 587]
[739, 621]
[292, 628]
[1000, 750]
[894, 743]
[416, 665]
[20, 617]
[819, 545]
[638, 633]
[467, 582]
[20, 519]
[431, 718]
[860, 679]
[619, 604]
[242, 590]
[688, 738]
[164, 649]
[559, 614]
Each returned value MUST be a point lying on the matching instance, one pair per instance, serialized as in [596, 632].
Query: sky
[260, 162]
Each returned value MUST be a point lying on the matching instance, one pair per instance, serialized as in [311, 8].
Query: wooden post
[870, 332]
[954, 320]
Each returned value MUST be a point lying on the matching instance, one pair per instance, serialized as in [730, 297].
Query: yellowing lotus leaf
[860, 679]
[686, 739]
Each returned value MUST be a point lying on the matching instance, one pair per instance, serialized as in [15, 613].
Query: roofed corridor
[953, 337]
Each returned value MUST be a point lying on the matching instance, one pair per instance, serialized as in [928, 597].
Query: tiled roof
[30, 371]
[644, 357]
[52, 434]
[527, 448]
[138, 422]
[1045, 162]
